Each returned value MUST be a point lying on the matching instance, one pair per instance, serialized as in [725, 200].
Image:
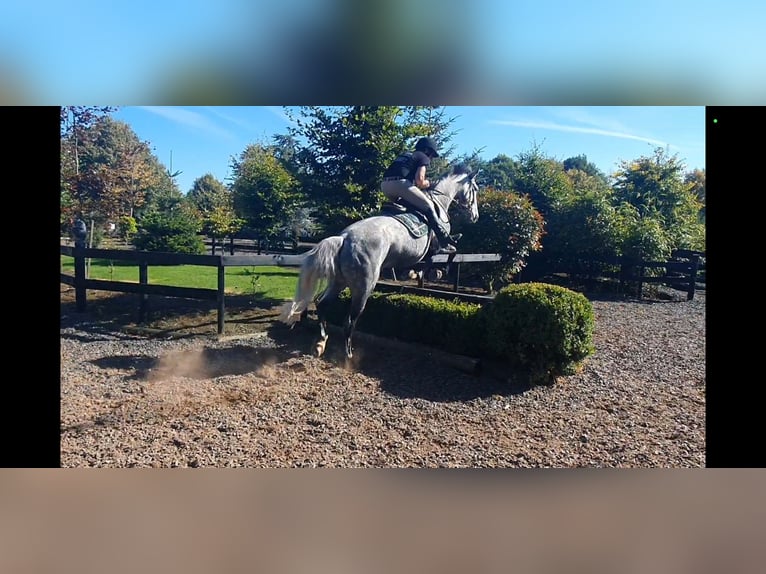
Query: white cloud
[544, 125]
[189, 118]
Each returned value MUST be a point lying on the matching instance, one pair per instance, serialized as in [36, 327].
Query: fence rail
[684, 270]
[144, 259]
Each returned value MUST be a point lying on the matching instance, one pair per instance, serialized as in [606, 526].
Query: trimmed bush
[539, 329]
[545, 328]
[454, 326]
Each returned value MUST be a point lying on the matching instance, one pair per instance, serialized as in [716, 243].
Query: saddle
[415, 222]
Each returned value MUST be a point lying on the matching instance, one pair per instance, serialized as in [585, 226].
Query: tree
[216, 207]
[207, 193]
[114, 170]
[541, 178]
[498, 173]
[581, 163]
[264, 193]
[75, 125]
[174, 230]
[654, 187]
[696, 181]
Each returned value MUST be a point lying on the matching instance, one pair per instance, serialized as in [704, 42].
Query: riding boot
[446, 243]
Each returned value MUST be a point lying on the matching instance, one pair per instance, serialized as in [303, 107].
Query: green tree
[207, 193]
[541, 178]
[498, 173]
[215, 205]
[175, 230]
[581, 163]
[164, 195]
[264, 193]
[696, 181]
[654, 185]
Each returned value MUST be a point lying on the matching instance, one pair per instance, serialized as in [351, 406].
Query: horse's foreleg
[319, 347]
[348, 332]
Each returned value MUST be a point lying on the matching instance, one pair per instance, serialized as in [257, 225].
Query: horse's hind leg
[330, 295]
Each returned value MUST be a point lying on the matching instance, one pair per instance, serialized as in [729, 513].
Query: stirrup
[449, 248]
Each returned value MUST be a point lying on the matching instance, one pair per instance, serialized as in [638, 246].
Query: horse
[356, 256]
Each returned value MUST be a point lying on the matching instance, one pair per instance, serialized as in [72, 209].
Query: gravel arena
[172, 393]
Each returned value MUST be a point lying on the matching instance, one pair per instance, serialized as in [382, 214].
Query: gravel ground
[180, 396]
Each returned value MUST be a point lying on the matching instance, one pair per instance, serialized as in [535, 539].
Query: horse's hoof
[319, 349]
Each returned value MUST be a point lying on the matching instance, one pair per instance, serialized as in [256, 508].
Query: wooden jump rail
[146, 258]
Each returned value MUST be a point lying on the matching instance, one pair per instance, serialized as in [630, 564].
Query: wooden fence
[685, 270]
[144, 259]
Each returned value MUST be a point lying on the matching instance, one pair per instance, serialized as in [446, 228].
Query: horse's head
[459, 186]
[467, 195]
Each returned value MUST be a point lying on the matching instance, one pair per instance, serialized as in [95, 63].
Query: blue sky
[700, 52]
[203, 139]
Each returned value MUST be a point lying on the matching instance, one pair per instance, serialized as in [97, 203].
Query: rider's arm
[420, 178]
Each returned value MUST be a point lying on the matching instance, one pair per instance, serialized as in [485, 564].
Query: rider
[406, 177]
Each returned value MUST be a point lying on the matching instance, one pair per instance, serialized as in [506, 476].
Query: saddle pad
[414, 222]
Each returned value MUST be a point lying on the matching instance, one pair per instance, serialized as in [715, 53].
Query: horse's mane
[455, 172]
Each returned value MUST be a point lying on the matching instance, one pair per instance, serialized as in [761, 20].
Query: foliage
[508, 224]
[346, 151]
[207, 193]
[498, 172]
[581, 163]
[544, 328]
[454, 326]
[645, 237]
[264, 193]
[127, 227]
[75, 125]
[586, 223]
[655, 187]
[215, 205]
[543, 179]
[175, 231]
[696, 181]
[221, 221]
[301, 224]
[114, 171]
[165, 195]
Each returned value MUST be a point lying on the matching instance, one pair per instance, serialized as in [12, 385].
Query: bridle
[459, 198]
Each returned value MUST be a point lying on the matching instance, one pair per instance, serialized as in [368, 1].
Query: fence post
[695, 262]
[143, 301]
[220, 297]
[457, 277]
[79, 277]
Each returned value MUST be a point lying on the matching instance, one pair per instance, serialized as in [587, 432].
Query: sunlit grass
[270, 282]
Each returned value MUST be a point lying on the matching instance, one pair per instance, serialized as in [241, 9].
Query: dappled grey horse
[354, 258]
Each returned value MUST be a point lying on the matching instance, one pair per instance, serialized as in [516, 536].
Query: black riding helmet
[427, 144]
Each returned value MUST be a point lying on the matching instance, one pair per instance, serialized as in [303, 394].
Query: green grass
[268, 282]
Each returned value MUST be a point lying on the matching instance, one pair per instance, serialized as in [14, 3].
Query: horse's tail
[320, 264]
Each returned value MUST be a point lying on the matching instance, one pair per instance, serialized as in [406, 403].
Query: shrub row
[543, 329]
